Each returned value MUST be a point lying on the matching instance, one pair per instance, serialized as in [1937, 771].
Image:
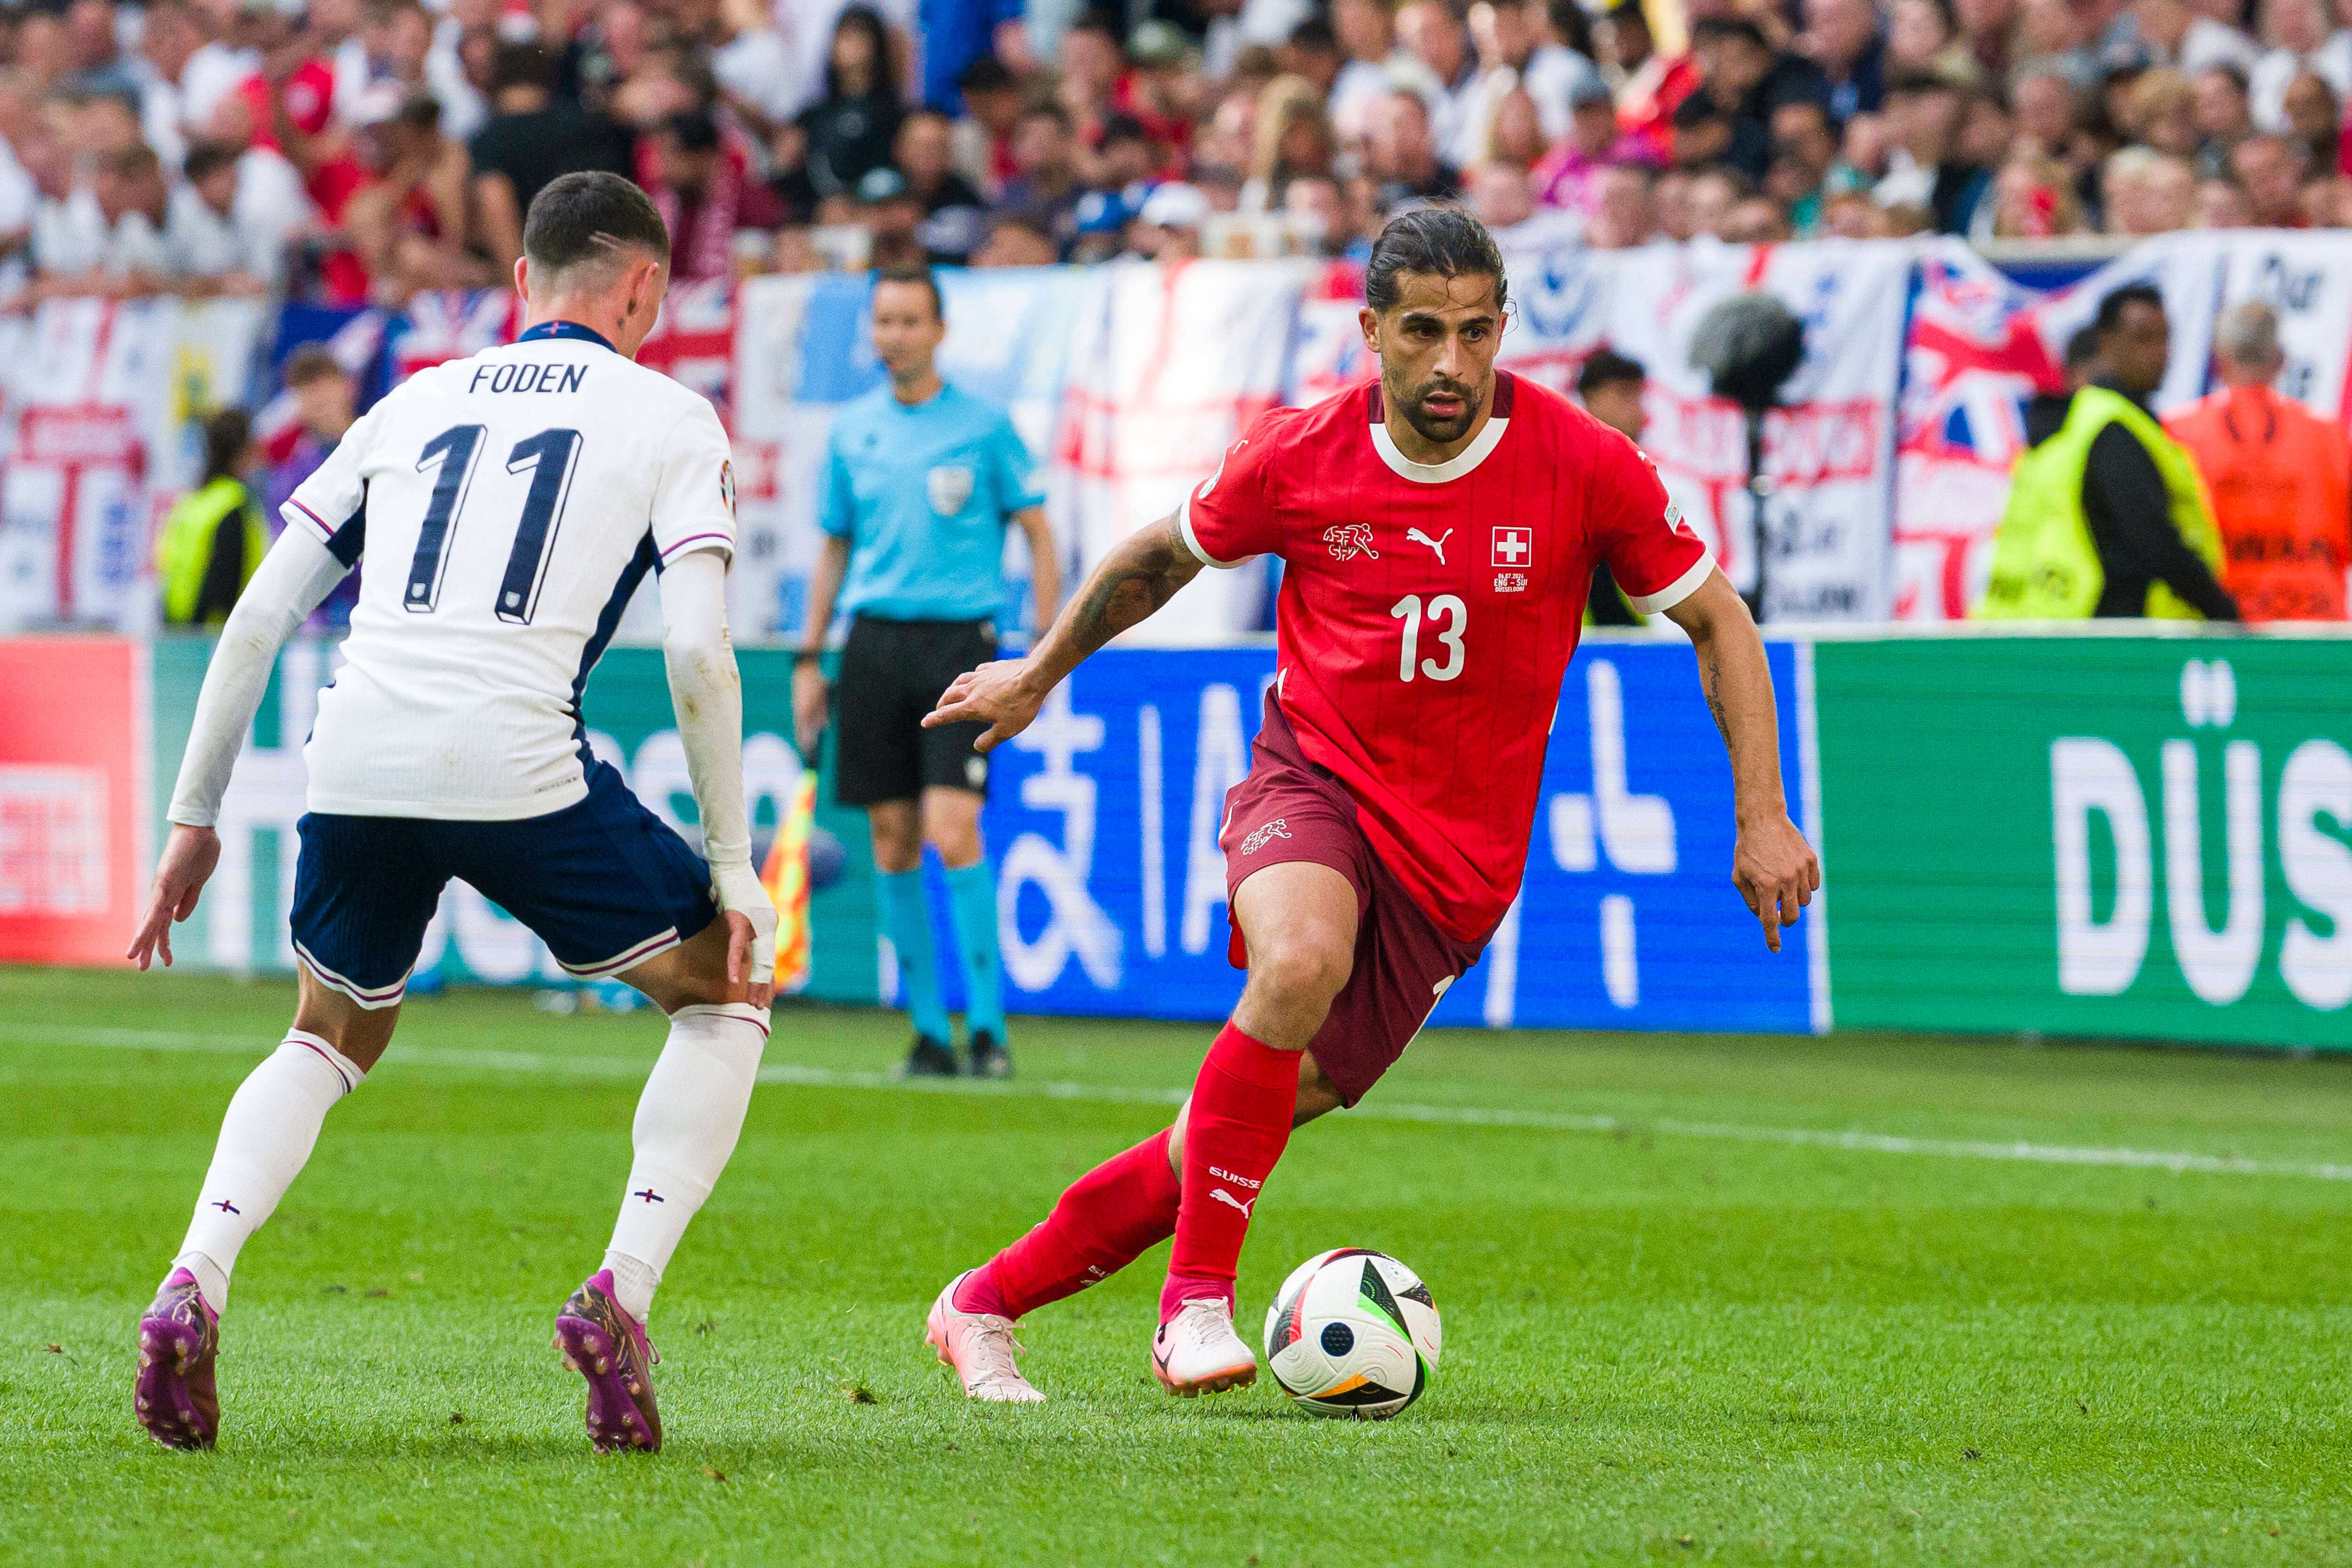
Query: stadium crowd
[360, 150]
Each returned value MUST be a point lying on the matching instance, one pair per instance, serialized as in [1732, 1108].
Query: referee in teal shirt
[920, 481]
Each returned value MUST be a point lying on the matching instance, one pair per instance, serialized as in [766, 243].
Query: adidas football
[1352, 1332]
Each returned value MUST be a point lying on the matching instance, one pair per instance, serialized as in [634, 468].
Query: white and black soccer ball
[1353, 1332]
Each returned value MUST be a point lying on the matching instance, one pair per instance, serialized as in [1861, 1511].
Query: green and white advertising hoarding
[2070, 831]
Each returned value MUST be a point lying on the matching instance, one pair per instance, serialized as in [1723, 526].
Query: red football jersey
[1428, 612]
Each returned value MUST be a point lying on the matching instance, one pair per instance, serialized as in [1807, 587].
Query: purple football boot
[178, 1339]
[609, 1348]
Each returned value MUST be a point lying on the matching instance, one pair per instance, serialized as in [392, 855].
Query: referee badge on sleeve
[950, 487]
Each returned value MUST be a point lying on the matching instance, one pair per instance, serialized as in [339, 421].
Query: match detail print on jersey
[1428, 611]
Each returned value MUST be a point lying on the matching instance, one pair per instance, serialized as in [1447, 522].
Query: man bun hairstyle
[1443, 241]
[589, 216]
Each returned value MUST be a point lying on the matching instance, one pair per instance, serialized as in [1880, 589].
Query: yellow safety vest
[2046, 567]
[183, 550]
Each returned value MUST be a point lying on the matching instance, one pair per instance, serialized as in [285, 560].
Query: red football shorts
[1290, 809]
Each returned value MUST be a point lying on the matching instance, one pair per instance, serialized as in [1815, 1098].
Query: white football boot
[980, 1347]
[1196, 1351]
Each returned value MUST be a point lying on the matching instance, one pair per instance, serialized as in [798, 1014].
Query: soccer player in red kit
[1438, 527]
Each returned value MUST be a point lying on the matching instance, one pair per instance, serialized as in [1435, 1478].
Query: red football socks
[1240, 1121]
[1108, 1218]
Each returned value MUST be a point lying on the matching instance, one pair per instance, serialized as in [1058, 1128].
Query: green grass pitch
[1688, 1317]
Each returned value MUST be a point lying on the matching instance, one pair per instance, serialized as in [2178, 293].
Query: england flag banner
[103, 400]
[1829, 450]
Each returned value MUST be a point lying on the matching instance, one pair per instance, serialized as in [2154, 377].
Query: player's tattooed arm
[1133, 581]
[1775, 869]
[1141, 574]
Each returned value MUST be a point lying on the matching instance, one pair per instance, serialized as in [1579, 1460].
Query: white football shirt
[507, 506]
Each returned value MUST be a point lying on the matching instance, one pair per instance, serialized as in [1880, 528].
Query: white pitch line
[632, 1068]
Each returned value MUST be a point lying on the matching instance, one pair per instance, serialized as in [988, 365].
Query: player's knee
[1304, 967]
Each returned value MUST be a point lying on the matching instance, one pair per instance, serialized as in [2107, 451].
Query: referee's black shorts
[892, 673]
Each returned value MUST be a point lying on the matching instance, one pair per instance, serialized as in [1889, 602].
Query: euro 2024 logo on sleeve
[2103, 932]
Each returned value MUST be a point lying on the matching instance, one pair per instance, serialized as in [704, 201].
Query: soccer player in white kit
[507, 505]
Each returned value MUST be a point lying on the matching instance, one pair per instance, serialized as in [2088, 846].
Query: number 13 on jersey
[1447, 608]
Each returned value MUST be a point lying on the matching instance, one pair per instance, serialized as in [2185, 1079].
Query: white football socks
[687, 1120]
[272, 1123]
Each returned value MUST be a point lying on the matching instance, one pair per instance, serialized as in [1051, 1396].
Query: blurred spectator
[1624, 213]
[991, 102]
[1803, 153]
[1367, 36]
[1045, 189]
[1925, 169]
[2270, 172]
[831, 144]
[1401, 157]
[1653, 84]
[2222, 204]
[1846, 42]
[1168, 229]
[531, 138]
[2313, 122]
[705, 193]
[212, 541]
[1015, 239]
[2049, 110]
[1569, 175]
[326, 403]
[2162, 112]
[2223, 115]
[228, 224]
[1924, 35]
[2302, 36]
[1741, 81]
[1163, 91]
[409, 223]
[2280, 476]
[2033, 198]
[1513, 58]
[1294, 140]
[1504, 199]
[952, 209]
[1437, 65]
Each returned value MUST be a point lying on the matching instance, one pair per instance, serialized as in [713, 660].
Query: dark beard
[1440, 432]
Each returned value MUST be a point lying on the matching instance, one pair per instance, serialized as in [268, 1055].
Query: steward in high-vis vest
[2107, 514]
[2280, 476]
[212, 541]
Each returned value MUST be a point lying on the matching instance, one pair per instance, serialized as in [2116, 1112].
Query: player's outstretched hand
[1776, 872]
[997, 694]
[189, 856]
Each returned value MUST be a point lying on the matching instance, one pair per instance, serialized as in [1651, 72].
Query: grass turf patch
[1667, 1336]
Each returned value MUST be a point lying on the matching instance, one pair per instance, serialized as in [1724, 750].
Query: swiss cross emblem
[1514, 546]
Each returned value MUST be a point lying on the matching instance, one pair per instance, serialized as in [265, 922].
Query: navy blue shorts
[604, 882]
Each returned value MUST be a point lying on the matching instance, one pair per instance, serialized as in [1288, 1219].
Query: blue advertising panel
[1104, 816]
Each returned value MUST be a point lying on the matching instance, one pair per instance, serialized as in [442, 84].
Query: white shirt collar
[1453, 468]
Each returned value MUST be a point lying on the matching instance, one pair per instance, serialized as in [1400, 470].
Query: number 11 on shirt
[1448, 608]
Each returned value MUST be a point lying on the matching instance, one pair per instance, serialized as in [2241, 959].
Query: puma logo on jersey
[1230, 1201]
[1438, 544]
[1348, 540]
[1265, 836]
